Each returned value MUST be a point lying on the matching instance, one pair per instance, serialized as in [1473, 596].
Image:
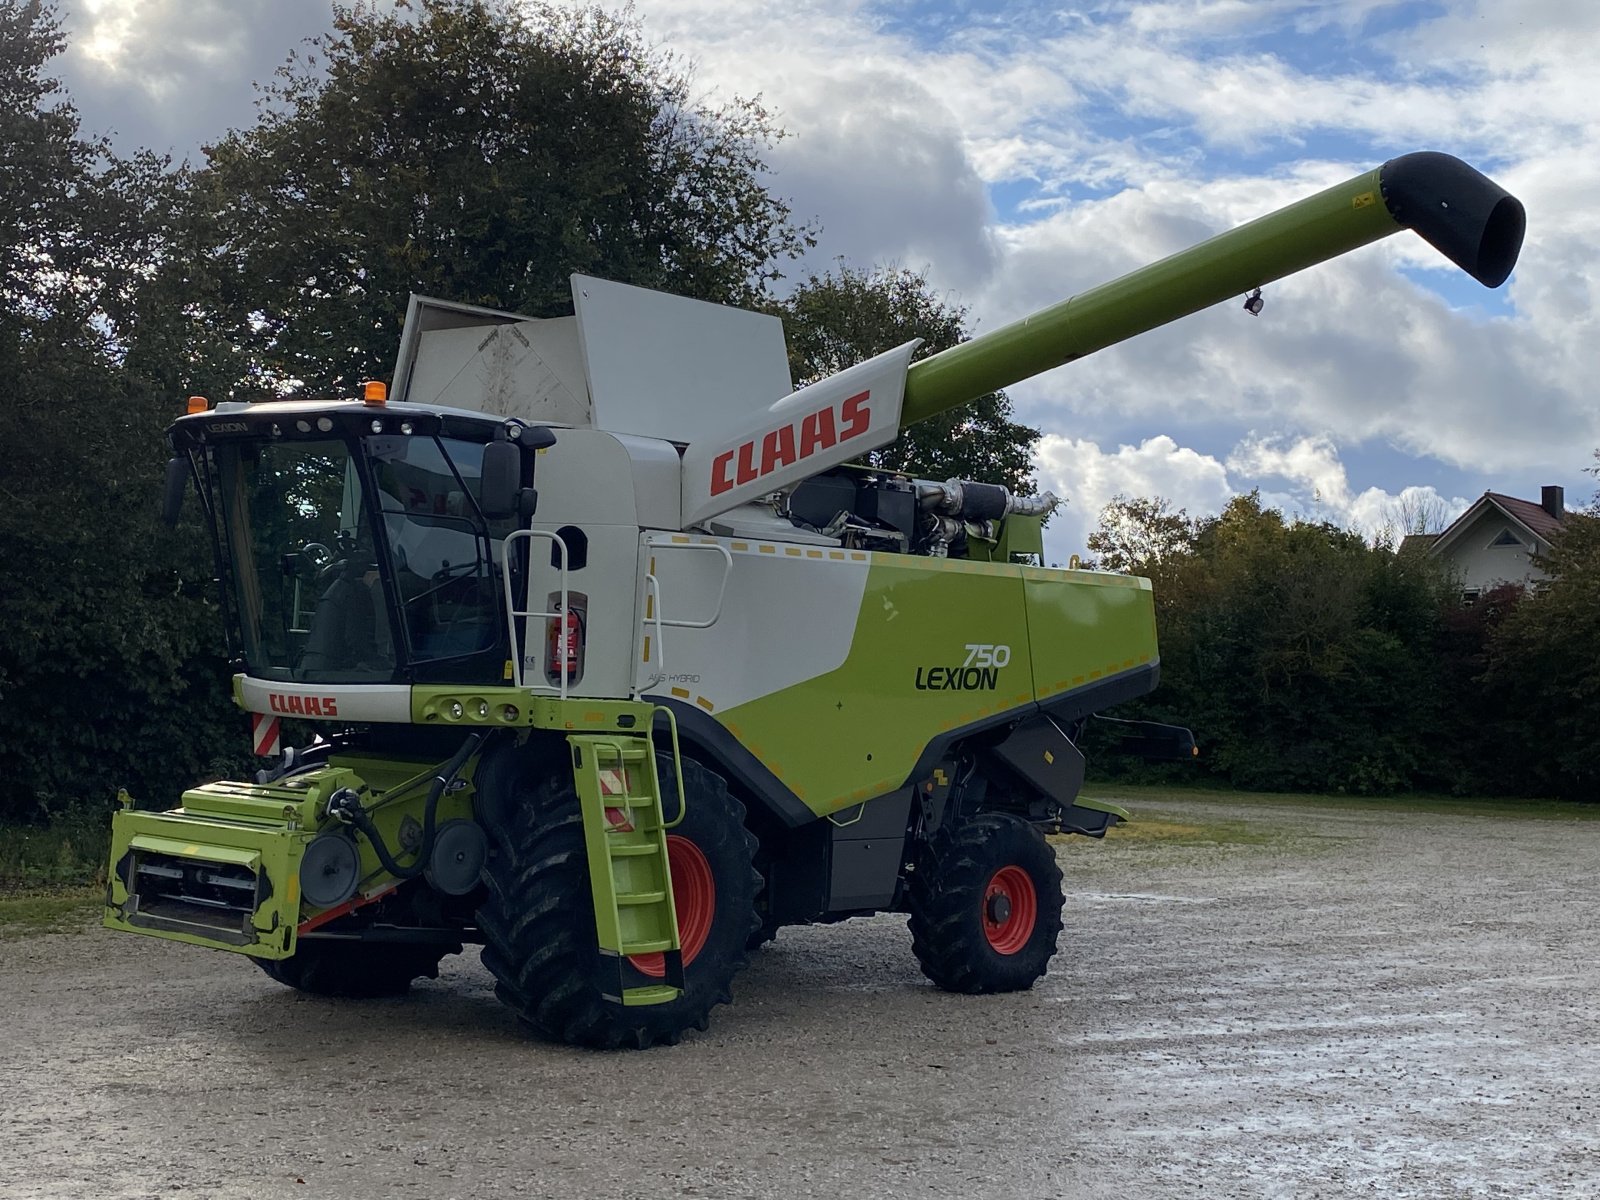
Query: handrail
[518, 652]
[652, 591]
[654, 608]
[677, 769]
[722, 591]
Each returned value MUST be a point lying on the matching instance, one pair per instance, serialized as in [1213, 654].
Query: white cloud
[1304, 478]
[1120, 134]
[1321, 491]
[1348, 355]
[896, 150]
[175, 74]
[1089, 478]
[1349, 348]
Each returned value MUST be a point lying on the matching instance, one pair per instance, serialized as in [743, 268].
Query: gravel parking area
[1254, 1000]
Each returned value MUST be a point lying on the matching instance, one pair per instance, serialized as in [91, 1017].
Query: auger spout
[1468, 217]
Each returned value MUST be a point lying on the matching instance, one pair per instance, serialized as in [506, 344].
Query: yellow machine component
[244, 867]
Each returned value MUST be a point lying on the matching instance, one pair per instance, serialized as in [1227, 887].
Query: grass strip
[1130, 794]
[32, 911]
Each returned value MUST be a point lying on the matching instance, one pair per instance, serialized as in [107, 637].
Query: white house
[1498, 538]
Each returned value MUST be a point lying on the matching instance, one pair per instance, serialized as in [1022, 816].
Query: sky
[1023, 152]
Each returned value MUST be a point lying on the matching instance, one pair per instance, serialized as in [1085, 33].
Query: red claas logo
[303, 706]
[790, 443]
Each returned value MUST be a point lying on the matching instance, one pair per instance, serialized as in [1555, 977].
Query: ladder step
[659, 993]
[640, 897]
[630, 873]
[630, 849]
[653, 947]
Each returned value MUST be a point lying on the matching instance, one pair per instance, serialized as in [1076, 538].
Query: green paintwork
[626, 842]
[507, 707]
[266, 828]
[1020, 538]
[1105, 806]
[856, 732]
[267, 847]
[1086, 626]
[1313, 230]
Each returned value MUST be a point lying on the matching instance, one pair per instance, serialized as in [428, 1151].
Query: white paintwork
[760, 523]
[630, 361]
[789, 615]
[657, 481]
[493, 362]
[387, 702]
[588, 475]
[667, 367]
[586, 481]
[603, 591]
[775, 448]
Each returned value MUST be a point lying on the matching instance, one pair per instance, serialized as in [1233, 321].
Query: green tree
[1299, 655]
[1482, 748]
[835, 320]
[479, 150]
[1544, 667]
[104, 647]
[1137, 534]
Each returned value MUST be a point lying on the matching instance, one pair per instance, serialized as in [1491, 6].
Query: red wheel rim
[694, 899]
[1010, 908]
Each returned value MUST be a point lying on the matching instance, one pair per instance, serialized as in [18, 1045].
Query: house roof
[1529, 513]
[1526, 513]
[1416, 543]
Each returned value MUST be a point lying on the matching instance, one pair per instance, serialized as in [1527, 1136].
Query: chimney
[1553, 499]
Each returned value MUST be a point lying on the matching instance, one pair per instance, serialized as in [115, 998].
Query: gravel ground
[1327, 1003]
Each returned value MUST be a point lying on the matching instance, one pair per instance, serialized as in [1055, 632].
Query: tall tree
[836, 320]
[479, 150]
[1301, 656]
[1138, 533]
[1544, 664]
[102, 643]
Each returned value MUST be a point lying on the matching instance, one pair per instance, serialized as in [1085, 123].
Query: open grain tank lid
[630, 360]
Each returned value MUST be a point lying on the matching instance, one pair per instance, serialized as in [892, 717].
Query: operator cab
[355, 543]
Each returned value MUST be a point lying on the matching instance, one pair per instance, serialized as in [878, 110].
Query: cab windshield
[359, 560]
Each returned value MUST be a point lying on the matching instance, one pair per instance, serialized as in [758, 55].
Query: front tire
[357, 970]
[986, 906]
[538, 920]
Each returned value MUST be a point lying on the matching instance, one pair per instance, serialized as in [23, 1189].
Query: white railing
[519, 657]
[654, 606]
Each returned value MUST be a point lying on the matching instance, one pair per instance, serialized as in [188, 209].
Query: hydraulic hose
[345, 805]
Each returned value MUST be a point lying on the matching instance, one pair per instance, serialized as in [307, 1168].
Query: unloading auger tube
[1462, 213]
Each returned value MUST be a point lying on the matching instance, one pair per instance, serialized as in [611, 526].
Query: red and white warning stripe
[264, 733]
[614, 782]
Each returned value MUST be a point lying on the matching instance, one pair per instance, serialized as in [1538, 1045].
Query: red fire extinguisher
[565, 645]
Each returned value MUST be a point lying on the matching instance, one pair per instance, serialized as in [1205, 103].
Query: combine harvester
[619, 667]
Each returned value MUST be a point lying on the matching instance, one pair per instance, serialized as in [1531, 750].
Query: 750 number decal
[985, 654]
[978, 672]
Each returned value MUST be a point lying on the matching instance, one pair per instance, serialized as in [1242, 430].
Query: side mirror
[501, 480]
[177, 485]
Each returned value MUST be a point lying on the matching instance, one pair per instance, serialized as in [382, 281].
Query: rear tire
[538, 919]
[766, 931]
[986, 906]
[357, 970]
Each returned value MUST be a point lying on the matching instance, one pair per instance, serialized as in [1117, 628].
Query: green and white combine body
[618, 667]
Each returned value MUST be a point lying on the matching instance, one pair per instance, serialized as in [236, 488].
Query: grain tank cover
[462, 356]
[630, 360]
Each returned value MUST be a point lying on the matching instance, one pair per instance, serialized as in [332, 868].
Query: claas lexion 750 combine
[619, 666]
